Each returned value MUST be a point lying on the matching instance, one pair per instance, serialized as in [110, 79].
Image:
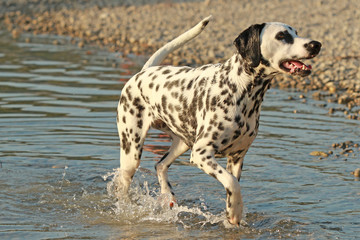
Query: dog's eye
[285, 36]
[280, 36]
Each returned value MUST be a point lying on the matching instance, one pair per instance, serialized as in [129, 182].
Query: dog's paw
[234, 215]
[234, 209]
[234, 220]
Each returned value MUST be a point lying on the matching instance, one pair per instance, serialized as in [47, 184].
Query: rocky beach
[141, 27]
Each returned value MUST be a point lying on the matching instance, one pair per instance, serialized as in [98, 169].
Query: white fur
[213, 109]
[178, 42]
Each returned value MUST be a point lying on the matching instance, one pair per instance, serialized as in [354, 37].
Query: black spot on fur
[240, 70]
[138, 75]
[285, 36]
[137, 138]
[213, 175]
[215, 136]
[247, 127]
[190, 84]
[237, 133]
[167, 71]
[239, 100]
[140, 123]
[228, 192]
[224, 92]
[204, 67]
[237, 118]
[204, 24]
[229, 119]
[125, 144]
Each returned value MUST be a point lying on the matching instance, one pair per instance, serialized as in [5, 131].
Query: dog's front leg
[203, 157]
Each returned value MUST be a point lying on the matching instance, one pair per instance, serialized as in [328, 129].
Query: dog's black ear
[248, 44]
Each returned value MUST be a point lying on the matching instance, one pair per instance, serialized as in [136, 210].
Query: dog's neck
[247, 78]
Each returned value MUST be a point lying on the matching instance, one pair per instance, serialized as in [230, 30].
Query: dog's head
[277, 45]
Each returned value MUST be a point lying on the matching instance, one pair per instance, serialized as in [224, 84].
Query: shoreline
[141, 29]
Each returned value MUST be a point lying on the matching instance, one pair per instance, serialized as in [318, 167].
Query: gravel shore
[142, 28]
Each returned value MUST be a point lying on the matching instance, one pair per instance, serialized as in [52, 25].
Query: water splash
[144, 203]
[63, 176]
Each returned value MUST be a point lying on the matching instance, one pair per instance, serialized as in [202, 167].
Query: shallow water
[59, 151]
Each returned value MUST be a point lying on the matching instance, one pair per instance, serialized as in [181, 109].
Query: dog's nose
[313, 47]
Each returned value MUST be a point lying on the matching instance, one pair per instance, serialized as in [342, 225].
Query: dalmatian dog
[213, 110]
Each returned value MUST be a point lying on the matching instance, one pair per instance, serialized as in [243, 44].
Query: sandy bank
[143, 28]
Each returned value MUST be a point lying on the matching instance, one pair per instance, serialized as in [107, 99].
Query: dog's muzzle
[296, 66]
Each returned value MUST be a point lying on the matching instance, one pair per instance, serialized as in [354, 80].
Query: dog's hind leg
[177, 148]
[132, 128]
[235, 165]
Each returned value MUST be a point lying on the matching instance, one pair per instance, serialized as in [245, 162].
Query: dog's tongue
[293, 65]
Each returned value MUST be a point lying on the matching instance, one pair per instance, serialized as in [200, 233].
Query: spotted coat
[213, 110]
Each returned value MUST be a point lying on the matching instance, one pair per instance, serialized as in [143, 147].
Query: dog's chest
[243, 118]
[239, 134]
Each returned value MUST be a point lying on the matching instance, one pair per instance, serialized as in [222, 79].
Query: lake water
[59, 150]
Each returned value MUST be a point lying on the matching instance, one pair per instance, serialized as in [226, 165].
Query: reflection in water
[59, 146]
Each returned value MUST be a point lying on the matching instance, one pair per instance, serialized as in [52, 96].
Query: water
[59, 151]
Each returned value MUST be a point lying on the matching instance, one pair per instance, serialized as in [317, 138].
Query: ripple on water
[58, 138]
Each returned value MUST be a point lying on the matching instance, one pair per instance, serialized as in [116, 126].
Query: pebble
[356, 173]
[144, 26]
[319, 153]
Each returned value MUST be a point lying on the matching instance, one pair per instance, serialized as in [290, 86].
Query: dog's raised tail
[181, 40]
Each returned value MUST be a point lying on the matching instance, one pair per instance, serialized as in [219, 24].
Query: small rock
[15, 33]
[347, 151]
[356, 173]
[344, 99]
[317, 96]
[332, 89]
[81, 44]
[319, 153]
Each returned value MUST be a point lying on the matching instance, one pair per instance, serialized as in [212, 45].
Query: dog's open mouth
[296, 67]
